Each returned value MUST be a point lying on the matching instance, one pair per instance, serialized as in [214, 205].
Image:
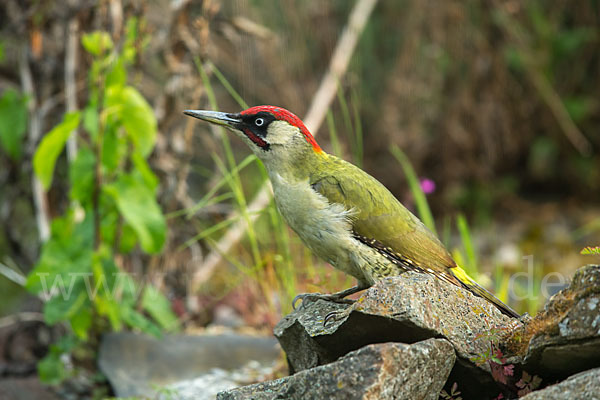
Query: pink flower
[427, 185]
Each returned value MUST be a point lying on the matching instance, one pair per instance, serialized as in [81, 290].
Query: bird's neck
[295, 165]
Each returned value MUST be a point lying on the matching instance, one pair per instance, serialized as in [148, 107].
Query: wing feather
[378, 215]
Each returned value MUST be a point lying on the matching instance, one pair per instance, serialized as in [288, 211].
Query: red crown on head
[284, 115]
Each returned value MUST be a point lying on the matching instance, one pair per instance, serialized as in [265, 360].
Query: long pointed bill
[215, 117]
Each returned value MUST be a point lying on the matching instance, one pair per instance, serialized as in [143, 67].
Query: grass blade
[423, 209]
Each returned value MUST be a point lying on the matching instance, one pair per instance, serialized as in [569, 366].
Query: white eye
[259, 121]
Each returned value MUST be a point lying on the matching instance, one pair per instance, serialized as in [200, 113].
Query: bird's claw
[299, 297]
[336, 315]
[307, 296]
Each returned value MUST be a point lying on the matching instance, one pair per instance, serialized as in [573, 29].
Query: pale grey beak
[216, 117]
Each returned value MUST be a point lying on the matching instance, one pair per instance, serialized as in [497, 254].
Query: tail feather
[478, 290]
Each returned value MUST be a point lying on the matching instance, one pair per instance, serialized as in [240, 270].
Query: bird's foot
[312, 297]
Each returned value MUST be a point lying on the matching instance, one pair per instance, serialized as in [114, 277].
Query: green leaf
[105, 296]
[63, 306]
[66, 256]
[128, 239]
[143, 169]
[81, 322]
[159, 307]
[113, 148]
[81, 176]
[13, 122]
[136, 115]
[51, 368]
[97, 42]
[136, 203]
[136, 320]
[90, 120]
[127, 288]
[117, 75]
[51, 146]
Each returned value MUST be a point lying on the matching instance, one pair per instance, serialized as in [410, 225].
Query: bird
[341, 213]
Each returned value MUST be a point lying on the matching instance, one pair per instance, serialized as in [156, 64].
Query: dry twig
[70, 82]
[35, 130]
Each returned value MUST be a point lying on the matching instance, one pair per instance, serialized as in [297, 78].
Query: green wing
[379, 215]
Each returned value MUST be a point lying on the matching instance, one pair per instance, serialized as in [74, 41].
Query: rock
[138, 365]
[378, 371]
[585, 385]
[25, 389]
[207, 385]
[566, 334]
[406, 309]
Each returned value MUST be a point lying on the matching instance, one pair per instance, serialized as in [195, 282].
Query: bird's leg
[335, 297]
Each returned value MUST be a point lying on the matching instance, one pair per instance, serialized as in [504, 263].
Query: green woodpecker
[344, 215]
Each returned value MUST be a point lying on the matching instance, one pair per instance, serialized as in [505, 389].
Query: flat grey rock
[139, 365]
[585, 385]
[378, 371]
[406, 309]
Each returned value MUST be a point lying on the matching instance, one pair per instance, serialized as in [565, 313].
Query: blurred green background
[495, 105]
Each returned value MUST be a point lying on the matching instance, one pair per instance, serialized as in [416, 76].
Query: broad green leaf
[82, 321]
[127, 288]
[90, 120]
[113, 148]
[51, 368]
[143, 169]
[136, 115]
[51, 146]
[117, 76]
[81, 176]
[110, 220]
[137, 205]
[65, 257]
[97, 42]
[131, 34]
[139, 120]
[136, 320]
[62, 308]
[110, 308]
[128, 239]
[13, 122]
[159, 307]
[104, 294]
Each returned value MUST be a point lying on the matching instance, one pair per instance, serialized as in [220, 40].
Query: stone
[25, 389]
[138, 365]
[406, 309]
[584, 385]
[378, 371]
[566, 334]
